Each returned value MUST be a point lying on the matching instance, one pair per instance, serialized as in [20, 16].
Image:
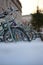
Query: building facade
[5, 4]
[27, 19]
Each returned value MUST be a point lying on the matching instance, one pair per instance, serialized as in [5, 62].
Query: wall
[4, 4]
[27, 18]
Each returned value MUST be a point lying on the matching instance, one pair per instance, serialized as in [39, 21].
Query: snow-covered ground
[22, 53]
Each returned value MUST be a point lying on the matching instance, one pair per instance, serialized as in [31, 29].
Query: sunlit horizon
[30, 6]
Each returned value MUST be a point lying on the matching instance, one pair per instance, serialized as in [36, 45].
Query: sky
[30, 6]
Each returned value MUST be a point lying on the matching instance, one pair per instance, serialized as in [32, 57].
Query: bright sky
[29, 6]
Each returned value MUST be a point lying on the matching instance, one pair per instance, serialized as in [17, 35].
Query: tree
[37, 21]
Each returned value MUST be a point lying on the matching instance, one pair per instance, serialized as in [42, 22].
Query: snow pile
[22, 53]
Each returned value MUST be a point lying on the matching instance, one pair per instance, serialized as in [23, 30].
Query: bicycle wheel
[7, 37]
[19, 34]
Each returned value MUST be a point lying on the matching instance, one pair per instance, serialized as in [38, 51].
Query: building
[27, 18]
[5, 4]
